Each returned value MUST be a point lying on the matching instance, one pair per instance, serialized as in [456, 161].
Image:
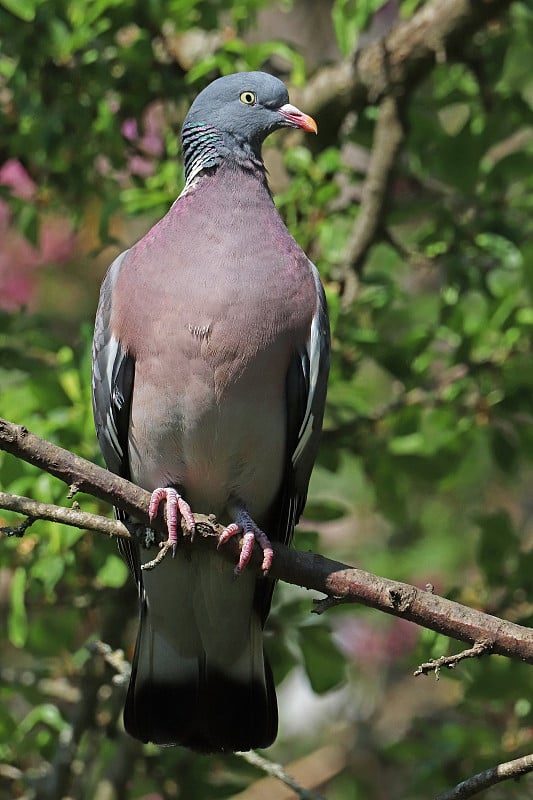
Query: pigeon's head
[234, 115]
[248, 105]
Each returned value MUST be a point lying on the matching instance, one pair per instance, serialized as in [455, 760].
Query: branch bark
[339, 582]
[450, 662]
[389, 136]
[275, 770]
[314, 770]
[79, 474]
[490, 777]
[397, 62]
[68, 516]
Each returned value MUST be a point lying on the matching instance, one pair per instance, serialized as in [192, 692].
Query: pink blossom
[129, 129]
[19, 259]
[13, 174]
[138, 165]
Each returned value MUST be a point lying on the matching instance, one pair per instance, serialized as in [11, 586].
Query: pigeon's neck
[205, 147]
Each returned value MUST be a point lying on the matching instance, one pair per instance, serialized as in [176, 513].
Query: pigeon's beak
[297, 118]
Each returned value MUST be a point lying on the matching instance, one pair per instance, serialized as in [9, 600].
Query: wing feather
[112, 389]
[306, 388]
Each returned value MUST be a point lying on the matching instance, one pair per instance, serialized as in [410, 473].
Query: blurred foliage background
[426, 464]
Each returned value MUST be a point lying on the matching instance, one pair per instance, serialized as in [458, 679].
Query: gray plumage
[211, 355]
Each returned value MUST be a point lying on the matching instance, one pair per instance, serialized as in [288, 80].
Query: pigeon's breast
[232, 298]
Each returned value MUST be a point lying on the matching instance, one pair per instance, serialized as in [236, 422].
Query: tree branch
[81, 475]
[68, 516]
[277, 771]
[389, 136]
[313, 770]
[387, 71]
[483, 780]
[397, 62]
[340, 582]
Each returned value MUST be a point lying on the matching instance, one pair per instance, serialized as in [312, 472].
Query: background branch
[397, 62]
[277, 771]
[489, 777]
[68, 516]
[387, 71]
[389, 135]
[314, 770]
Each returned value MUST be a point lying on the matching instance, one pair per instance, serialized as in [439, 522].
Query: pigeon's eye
[248, 98]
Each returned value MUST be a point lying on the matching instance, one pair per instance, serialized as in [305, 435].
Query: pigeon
[210, 367]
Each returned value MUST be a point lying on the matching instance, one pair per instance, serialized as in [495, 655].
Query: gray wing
[306, 389]
[113, 372]
[112, 381]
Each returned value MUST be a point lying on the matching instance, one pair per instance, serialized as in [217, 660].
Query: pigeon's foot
[251, 534]
[175, 505]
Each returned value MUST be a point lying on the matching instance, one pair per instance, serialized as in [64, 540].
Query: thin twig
[313, 770]
[326, 603]
[115, 659]
[389, 135]
[483, 780]
[276, 771]
[164, 547]
[68, 516]
[55, 781]
[19, 530]
[450, 662]
[65, 776]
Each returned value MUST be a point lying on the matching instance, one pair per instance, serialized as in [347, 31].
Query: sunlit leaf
[114, 572]
[17, 619]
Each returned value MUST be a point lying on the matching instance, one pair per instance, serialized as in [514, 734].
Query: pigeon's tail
[200, 677]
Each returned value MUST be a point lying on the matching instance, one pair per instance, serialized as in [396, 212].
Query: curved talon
[247, 546]
[268, 553]
[228, 532]
[251, 534]
[175, 505]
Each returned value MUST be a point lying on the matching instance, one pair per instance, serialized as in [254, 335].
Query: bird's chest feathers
[227, 283]
[231, 298]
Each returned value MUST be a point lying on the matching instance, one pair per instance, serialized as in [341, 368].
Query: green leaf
[409, 444]
[324, 664]
[17, 620]
[28, 223]
[503, 281]
[44, 714]
[474, 306]
[501, 249]
[498, 546]
[113, 573]
[49, 569]
[23, 9]
[525, 316]
[350, 17]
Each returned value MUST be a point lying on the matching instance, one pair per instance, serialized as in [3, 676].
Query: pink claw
[251, 535]
[175, 504]
[228, 532]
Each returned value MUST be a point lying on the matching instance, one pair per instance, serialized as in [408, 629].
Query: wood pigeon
[210, 365]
